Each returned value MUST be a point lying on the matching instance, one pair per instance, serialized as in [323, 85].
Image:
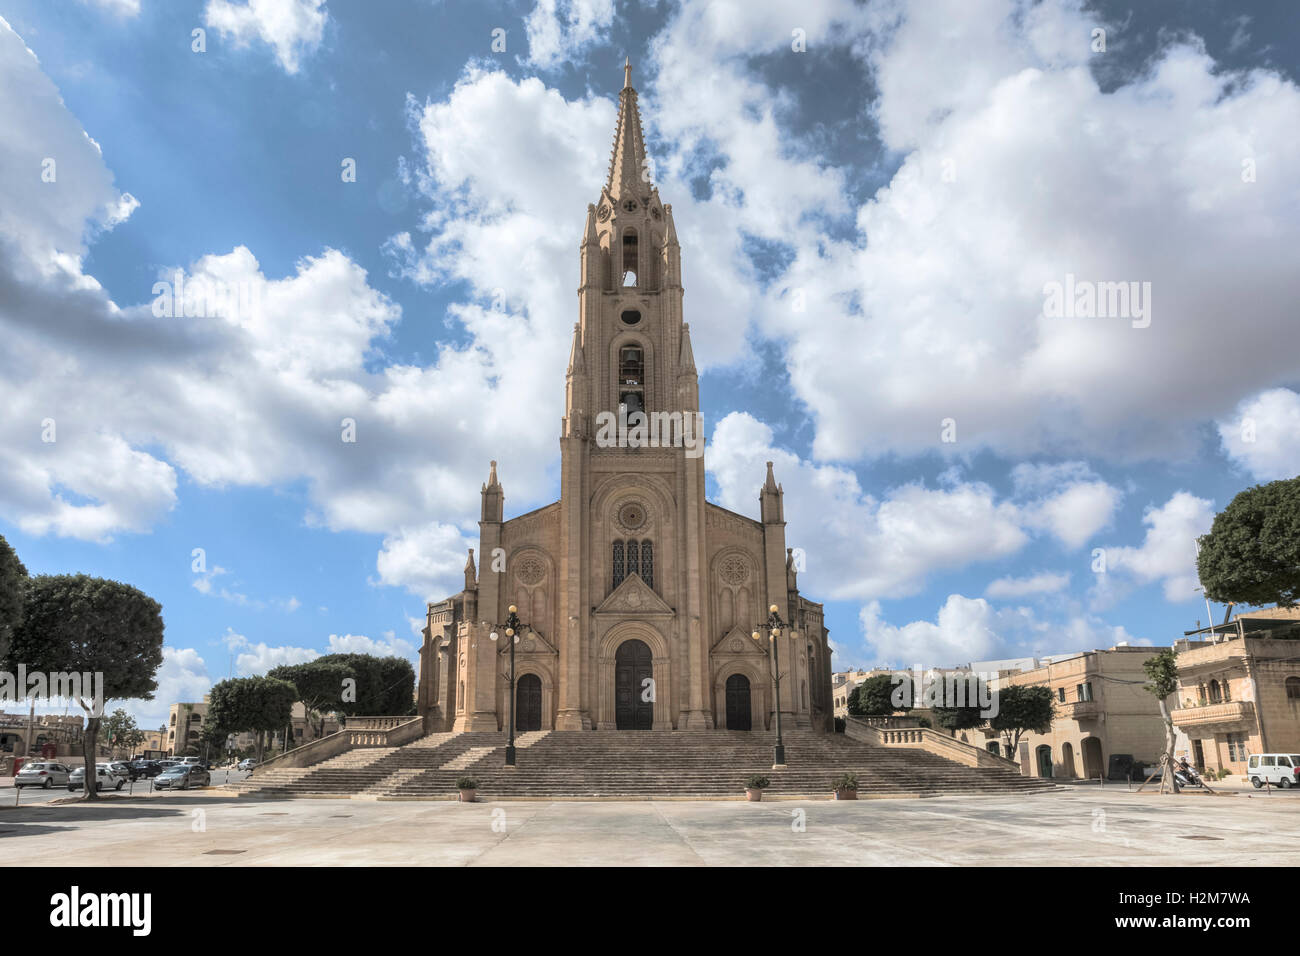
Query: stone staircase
[642, 765]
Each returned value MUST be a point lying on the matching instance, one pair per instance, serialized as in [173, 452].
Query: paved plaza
[1077, 826]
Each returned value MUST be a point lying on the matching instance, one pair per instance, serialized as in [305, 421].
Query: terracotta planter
[846, 794]
[467, 796]
[754, 795]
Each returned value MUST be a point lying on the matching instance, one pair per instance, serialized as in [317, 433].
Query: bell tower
[631, 392]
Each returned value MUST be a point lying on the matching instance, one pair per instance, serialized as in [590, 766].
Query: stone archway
[738, 709]
[660, 674]
[528, 703]
[1044, 755]
[634, 696]
[1067, 760]
[760, 694]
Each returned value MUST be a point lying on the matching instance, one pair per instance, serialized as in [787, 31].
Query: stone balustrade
[358, 732]
[1224, 712]
[950, 748]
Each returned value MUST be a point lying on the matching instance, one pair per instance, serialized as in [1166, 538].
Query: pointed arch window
[633, 558]
[648, 563]
[629, 258]
[631, 378]
[618, 563]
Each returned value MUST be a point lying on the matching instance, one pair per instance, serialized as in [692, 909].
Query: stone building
[1102, 708]
[1239, 691]
[638, 596]
[843, 684]
[183, 731]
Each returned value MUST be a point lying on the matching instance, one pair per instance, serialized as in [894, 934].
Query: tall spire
[628, 161]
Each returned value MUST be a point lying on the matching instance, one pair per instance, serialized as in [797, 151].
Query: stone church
[637, 596]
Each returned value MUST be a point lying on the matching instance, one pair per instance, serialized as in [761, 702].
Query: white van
[1280, 770]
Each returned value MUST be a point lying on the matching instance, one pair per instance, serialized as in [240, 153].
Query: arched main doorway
[738, 709]
[528, 703]
[634, 707]
[1067, 759]
[1044, 761]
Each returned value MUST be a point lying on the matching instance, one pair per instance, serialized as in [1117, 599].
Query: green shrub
[758, 782]
[466, 783]
[847, 781]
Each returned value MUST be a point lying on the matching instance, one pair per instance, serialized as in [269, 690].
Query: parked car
[182, 777]
[146, 768]
[42, 774]
[196, 762]
[1281, 770]
[106, 778]
[168, 763]
[247, 764]
[125, 768]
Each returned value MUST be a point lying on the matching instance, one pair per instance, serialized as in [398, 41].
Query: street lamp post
[512, 636]
[774, 626]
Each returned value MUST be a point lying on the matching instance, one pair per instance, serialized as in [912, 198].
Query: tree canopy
[1252, 553]
[1022, 710]
[249, 704]
[876, 697]
[13, 584]
[76, 624]
[320, 685]
[385, 686]
[121, 730]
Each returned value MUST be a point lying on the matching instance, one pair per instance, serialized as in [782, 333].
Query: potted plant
[754, 789]
[467, 786]
[846, 787]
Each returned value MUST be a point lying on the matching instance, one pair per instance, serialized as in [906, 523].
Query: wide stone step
[714, 763]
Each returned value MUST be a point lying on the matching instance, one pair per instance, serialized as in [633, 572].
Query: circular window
[631, 317]
[631, 516]
[629, 205]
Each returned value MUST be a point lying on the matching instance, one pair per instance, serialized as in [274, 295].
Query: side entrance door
[738, 712]
[528, 703]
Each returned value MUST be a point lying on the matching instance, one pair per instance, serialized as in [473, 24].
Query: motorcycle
[1188, 777]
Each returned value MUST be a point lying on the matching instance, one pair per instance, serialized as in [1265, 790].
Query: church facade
[637, 597]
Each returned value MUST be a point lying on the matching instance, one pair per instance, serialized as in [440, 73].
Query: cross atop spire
[627, 164]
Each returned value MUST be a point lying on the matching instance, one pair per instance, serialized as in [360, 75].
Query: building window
[633, 557]
[631, 317]
[1084, 691]
[648, 563]
[1236, 747]
[629, 257]
[1060, 694]
[1215, 694]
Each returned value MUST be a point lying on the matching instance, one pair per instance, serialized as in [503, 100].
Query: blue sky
[915, 175]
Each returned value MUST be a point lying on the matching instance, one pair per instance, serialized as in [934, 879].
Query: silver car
[182, 777]
[42, 774]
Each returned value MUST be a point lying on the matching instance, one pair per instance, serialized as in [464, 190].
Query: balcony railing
[1225, 712]
[1079, 709]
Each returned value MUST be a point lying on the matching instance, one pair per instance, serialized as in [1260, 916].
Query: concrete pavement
[1078, 827]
